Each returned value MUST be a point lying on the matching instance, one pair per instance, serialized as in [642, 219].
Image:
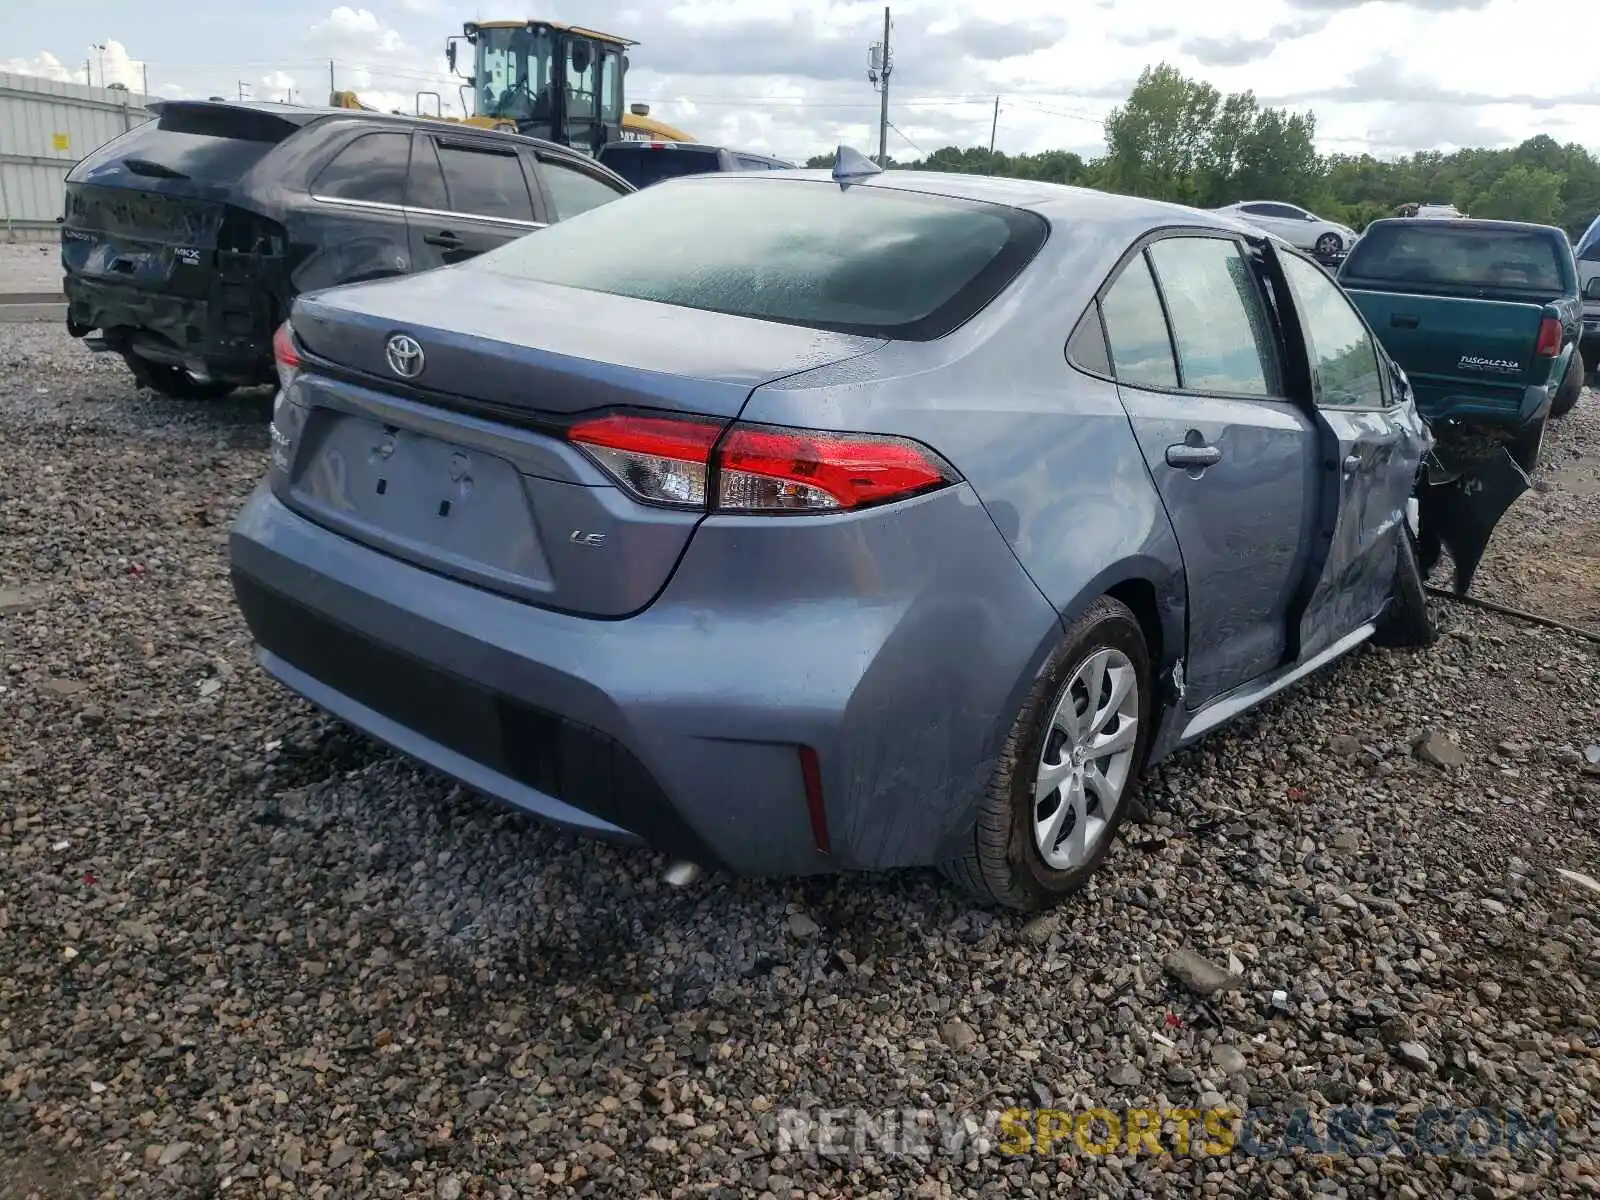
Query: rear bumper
[899, 649]
[1507, 410]
[230, 341]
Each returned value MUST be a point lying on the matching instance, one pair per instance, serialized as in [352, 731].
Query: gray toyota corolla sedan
[802, 522]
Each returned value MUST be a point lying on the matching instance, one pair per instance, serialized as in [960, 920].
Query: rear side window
[868, 260]
[1447, 255]
[573, 191]
[425, 184]
[371, 168]
[485, 183]
[1218, 321]
[205, 145]
[651, 164]
[1136, 328]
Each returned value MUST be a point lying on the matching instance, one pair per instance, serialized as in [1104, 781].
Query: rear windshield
[1448, 255]
[865, 260]
[646, 165]
[215, 146]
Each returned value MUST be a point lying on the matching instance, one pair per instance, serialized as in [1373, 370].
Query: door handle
[1352, 463]
[1185, 455]
[444, 238]
[1403, 320]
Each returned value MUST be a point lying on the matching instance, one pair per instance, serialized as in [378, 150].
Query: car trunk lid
[151, 208]
[154, 236]
[526, 350]
[464, 468]
[1466, 358]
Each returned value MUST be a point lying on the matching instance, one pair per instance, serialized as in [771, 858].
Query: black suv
[186, 239]
[643, 163]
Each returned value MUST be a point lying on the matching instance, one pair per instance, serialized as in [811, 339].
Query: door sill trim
[1226, 707]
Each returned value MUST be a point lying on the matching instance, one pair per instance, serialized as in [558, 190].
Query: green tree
[1179, 139]
[1158, 142]
[1522, 193]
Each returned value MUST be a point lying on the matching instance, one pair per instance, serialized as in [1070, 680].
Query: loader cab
[557, 82]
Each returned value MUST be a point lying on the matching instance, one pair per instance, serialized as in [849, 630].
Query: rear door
[466, 196]
[359, 201]
[1371, 449]
[1233, 458]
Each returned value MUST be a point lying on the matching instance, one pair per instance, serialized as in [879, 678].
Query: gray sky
[788, 76]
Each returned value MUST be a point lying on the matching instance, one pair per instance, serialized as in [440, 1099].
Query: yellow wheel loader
[560, 82]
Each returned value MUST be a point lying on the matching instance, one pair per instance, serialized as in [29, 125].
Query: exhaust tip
[682, 874]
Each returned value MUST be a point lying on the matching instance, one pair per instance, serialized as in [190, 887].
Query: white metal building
[46, 127]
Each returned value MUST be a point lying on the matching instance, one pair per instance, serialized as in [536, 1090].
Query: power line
[907, 140]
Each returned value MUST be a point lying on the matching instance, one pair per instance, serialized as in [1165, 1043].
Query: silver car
[904, 521]
[1295, 225]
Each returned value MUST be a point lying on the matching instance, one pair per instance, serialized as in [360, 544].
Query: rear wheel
[1069, 772]
[174, 381]
[1571, 387]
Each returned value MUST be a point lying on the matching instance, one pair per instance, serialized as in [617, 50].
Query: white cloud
[789, 76]
[278, 86]
[106, 63]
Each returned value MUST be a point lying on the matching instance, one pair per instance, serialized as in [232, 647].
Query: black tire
[175, 382]
[1329, 244]
[1405, 623]
[1003, 865]
[1571, 387]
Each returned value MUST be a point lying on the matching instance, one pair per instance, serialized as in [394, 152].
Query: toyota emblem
[405, 356]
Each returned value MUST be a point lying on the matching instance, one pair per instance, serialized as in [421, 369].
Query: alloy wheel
[1087, 760]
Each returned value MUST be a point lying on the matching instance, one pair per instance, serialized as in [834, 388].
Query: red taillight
[659, 459]
[762, 469]
[285, 354]
[757, 468]
[1549, 338]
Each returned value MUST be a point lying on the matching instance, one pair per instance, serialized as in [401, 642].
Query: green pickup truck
[1484, 318]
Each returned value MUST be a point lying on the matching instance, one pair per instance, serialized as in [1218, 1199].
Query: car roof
[649, 143]
[1059, 202]
[1468, 223]
[305, 114]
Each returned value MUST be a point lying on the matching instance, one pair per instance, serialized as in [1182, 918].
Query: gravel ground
[242, 948]
[1545, 556]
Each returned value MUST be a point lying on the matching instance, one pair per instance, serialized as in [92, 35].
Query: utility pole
[144, 71]
[88, 72]
[100, 52]
[994, 125]
[242, 86]
[332, 86]
[880, 63]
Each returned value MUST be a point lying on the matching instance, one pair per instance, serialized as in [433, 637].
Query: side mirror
[1591, 290]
